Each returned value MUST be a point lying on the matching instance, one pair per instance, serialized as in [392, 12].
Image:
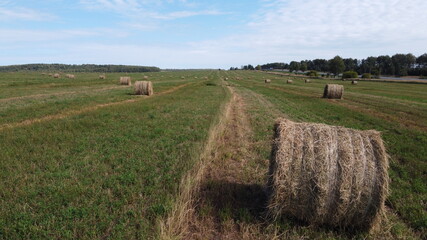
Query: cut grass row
[109, 173]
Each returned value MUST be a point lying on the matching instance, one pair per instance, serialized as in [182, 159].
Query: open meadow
[85, 158]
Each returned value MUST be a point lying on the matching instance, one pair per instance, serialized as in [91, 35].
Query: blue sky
[207, 34]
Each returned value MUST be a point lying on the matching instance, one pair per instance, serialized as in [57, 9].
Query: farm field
[85, 158]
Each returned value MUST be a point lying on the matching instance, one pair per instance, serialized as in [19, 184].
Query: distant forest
[398, 65]
[77, 68]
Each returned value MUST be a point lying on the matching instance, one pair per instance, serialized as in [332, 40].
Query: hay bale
[333, 91]
[267, 81]
[289, 81]
[144, 88]
[145, 77]
[56, 75]
[354, 82]
[70, 76]
[307, 81]
[125, 81]
[50, 74]
[328, 175]
[102, 76]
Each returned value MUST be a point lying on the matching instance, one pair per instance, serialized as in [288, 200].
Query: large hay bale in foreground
[267, 81]
[333, 91]
[328, 175]
[125, 81]
[144, 88]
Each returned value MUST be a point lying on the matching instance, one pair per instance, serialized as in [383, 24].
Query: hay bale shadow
[237, 201]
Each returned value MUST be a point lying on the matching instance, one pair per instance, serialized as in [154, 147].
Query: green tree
[336, 65]
[294, 66]
[303, 66]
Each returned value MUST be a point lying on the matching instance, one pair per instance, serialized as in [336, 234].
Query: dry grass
[333, 91]
[125, 81]
[328, 175]
[144, 88]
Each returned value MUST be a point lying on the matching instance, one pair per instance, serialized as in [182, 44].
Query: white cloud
[147, 9]
[27, 14]
[338, 24]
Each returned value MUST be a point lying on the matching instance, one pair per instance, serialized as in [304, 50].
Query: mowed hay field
[85, 158]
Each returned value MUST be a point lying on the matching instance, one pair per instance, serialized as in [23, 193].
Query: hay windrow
[144, 88]
[328, 175]
[125, 81]
[333, 91]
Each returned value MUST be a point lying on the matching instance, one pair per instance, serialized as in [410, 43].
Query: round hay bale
[354, 82]
[289, 82]
[328, 175]
[144, 88]
[125, 81]
[333, 91]
[145, 77]
[102, 76]
[56, 75]
[70, 76]
[307, 81]
[267, 81]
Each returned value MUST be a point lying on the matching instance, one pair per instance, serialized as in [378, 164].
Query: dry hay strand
[333, 91]
[70, 76]
[328, 175]
[102, 76]
[289, 82]
[307, 81]
[267, 81]
[125, 81]
[144, 88]
[354, 82]
[56, 75]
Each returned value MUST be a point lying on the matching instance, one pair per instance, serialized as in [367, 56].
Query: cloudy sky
[207, 34]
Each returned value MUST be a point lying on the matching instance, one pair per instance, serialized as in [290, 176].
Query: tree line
[77, 68]
[398, 65]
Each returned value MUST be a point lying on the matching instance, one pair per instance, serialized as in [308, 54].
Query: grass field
[85, 158]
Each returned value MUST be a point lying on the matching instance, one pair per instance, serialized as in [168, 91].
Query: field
[84, 158]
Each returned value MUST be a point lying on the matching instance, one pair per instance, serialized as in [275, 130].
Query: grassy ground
[84, 158]
[397, 110]
[108, 173]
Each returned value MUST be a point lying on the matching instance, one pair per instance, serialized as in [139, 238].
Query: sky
[207, 34]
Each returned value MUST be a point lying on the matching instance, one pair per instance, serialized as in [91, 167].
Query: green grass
[112, 173]
[109, 173]
[397, 110]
